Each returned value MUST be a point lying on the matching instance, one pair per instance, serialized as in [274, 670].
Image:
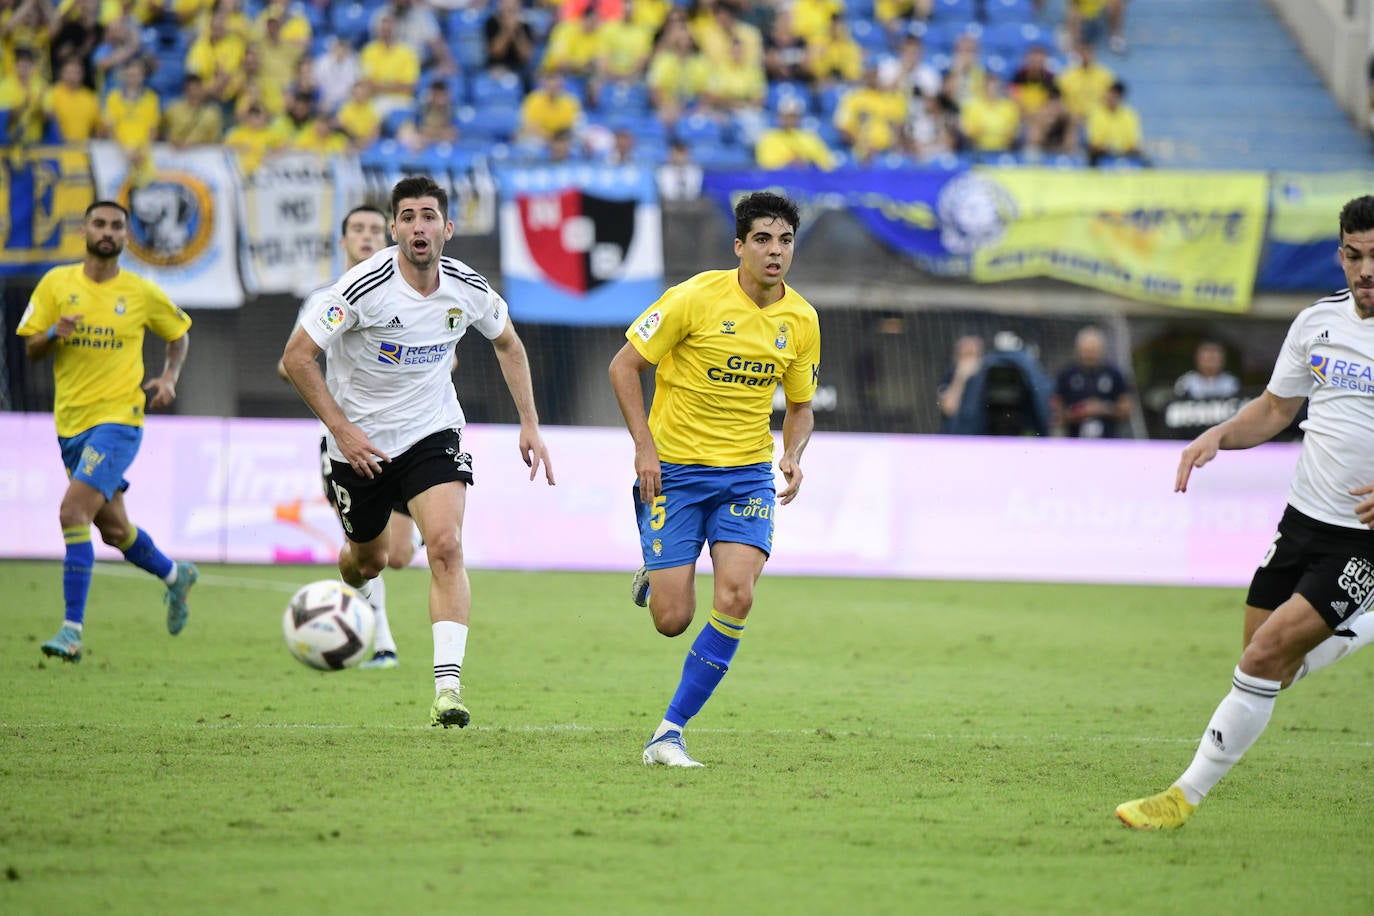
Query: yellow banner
[43, 193]
[1187, 239]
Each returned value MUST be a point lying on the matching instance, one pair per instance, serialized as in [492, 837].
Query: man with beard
[394, 424]
[1308, 604]
[92, 316]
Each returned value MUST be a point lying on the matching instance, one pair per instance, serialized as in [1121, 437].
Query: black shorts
[327, 474]
[1329, 565]
[365, 505]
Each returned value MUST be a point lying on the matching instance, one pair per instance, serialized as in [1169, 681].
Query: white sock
[171, 577]
[365, 589]
[382, 641]
[450, 644]
[1237, 723]
[1336, 648]
[663, 727]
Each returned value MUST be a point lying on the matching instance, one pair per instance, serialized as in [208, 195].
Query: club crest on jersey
[331, 318]
[454, 319]
[646, 328]
[120, 306]
[781, 341]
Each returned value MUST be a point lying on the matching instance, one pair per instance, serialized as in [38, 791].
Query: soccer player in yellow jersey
[722, 343]
[92, 316]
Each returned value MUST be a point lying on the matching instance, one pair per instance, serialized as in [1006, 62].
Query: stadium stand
[1219, 86]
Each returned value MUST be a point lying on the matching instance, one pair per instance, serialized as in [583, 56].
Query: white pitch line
[594, 729]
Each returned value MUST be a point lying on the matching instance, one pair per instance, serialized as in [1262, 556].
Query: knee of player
[1270, 657]
[672, 624]
[445, 548]
[400, 558]
[735, 602]
[114, 535]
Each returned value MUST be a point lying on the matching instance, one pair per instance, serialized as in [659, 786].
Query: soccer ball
[328, 625]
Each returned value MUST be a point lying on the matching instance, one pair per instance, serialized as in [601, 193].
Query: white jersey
[1328, 357]
[390, 348]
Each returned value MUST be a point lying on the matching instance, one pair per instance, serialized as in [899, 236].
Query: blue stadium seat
[954, 10]
[489, 89]
[168, 76]
[999, 66]
[1008, 11]
[1011, 39]
[394, 119]
[721, 156]
[381, 154]
[784, 89]
[870, 36]
[498, 122]
[623, 98]
[828, 99]
[349, 21]
[699, 129]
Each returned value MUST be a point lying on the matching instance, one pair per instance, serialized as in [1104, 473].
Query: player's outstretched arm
[1258, 421]
[515, 367]
[629, 394]
[164, 387]
[796, 433]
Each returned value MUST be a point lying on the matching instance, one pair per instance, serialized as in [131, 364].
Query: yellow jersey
[98, 371]
[720, 358]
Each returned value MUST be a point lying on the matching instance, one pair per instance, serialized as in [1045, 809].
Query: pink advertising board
[248, 491]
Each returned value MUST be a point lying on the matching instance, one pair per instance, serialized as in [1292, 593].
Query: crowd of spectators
[780, 83]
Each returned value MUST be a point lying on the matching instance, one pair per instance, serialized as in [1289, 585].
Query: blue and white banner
[1304, 232]
[580, 245]
[935, 217]
[292, 208]
[181, 220]
[44, 191]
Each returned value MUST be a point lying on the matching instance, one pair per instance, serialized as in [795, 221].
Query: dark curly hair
[764, 205]
[1358, 215]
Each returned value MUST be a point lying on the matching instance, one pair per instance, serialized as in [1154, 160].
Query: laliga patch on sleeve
[332, 317]
[646, 328]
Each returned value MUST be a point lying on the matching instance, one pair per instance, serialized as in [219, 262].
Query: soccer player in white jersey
[363, 234]
[1308, 601]
[393, 419]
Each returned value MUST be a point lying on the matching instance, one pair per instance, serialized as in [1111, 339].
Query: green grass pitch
[878, 747]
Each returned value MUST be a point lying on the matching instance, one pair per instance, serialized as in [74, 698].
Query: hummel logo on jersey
[395, 323]
[727, 327]
[1340, 607]
[1215, 735]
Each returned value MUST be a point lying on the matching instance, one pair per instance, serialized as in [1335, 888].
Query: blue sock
[76, 572]
[143, 553]
[707, 662]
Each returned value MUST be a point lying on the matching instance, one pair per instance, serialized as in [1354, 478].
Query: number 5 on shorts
[658, 515]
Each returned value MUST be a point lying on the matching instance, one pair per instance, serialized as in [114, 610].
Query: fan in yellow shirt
[21, 96]
[358, 119]
[882, 107]
[254, 138]
[1113, 128]
[217, 57]
[836, 56]
[132, 112]
[791, 146]
[74, 108]
[1084, 85]
[572, 45]
[990, 122]
[392, 68]
[549, 110]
